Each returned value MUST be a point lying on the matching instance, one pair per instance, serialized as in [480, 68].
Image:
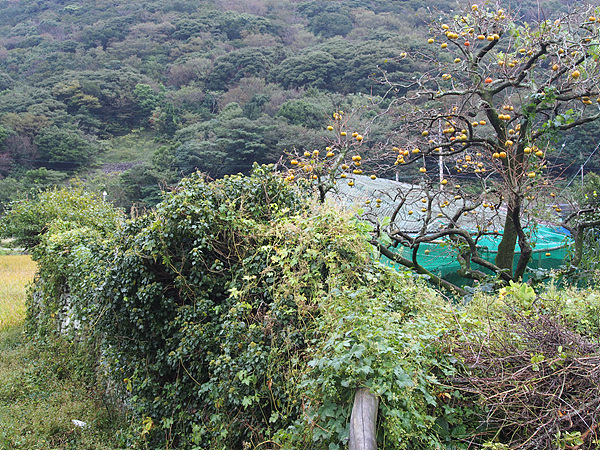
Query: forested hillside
[130, 96]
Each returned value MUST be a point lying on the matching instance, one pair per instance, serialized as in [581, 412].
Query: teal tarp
[440, 258]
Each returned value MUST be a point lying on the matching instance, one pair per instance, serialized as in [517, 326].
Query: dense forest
[128, 97]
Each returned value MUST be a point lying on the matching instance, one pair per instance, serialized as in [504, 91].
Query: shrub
[64, 228]
[531, 362]
[28, 219]
[238, 314]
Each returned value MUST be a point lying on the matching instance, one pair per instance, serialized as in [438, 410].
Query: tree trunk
[506, 248]
[513, 232]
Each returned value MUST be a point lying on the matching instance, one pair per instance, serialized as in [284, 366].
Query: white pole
[441, 160]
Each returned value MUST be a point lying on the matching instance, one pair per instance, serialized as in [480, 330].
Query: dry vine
[537, 380]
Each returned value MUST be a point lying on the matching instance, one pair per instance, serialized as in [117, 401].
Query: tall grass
[47, 384]
[16, 271]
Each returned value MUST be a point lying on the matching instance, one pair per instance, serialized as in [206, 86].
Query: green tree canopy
[64, 149]
[28, 219]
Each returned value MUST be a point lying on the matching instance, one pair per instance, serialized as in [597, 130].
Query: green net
[550, 248]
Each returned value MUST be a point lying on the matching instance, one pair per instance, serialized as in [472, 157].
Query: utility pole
[441, 158]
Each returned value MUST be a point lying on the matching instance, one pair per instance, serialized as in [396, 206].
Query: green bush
[28, 219]
[238, 314]
[70, 268]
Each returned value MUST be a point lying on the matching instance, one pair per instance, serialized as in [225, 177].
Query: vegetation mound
[238, 314]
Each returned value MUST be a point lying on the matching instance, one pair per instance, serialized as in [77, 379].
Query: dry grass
[45, 384]
[16, 271]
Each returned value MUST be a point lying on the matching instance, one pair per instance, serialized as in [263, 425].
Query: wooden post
[363, 421]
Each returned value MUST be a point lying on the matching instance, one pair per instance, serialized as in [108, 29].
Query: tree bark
[506, 248]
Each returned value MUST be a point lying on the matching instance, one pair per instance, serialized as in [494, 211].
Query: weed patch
[44, 387]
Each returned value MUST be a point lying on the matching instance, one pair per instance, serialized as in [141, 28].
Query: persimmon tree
[584, 225]
[494, 96]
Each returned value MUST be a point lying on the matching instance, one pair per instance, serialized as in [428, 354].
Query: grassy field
[46, 385]
[15, 272]
[134, 147]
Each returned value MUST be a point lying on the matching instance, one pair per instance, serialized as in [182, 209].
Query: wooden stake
[363, 421]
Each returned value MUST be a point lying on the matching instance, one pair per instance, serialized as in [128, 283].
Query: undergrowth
[135, 147]
[533, 363]
[44, 387]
